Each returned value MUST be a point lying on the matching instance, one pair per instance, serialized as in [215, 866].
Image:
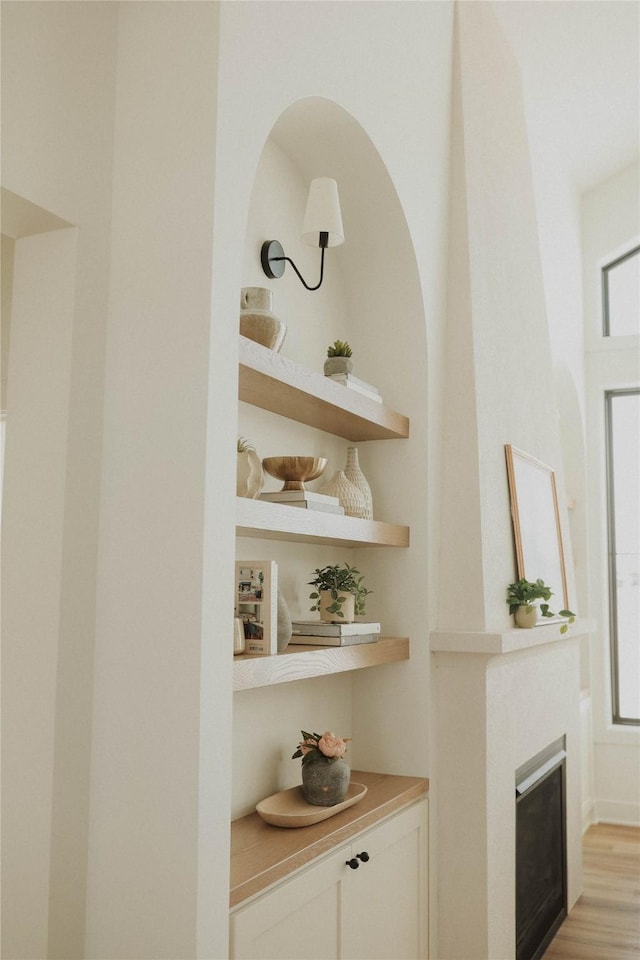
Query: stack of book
[318, 633]
[307, 499]
[360, 386]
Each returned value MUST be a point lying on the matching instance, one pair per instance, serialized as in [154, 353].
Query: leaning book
[344, 641]
[321, 628]
[256, 604]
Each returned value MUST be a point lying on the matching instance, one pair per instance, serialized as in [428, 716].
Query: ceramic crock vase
[354, 474]
[347, 607]
[249, 474]
[325, 781]
[526, 616]
[350, 497]
[257, 322]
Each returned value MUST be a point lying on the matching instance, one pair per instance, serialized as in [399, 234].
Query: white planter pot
[348, 608]
[249, 475]
[526, 616]
[337, 365]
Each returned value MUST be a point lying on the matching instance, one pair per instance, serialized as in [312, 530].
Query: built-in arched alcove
[372, 278]
[372, 297]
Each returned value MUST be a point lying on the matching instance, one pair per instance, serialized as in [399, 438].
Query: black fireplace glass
[541, 900]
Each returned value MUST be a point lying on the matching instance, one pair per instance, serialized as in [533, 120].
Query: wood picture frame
[536, 524]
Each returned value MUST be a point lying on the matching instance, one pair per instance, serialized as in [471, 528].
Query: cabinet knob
[352, 863]
[364, 856]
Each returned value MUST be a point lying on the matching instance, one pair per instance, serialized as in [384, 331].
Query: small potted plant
[338, 358]
[340, 594]
[325, 774]
[522, 596]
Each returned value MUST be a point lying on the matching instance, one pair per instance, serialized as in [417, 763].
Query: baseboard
[615, 811]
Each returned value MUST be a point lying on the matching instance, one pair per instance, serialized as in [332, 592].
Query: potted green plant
[522, 596]
[338, 358]
[339, 594]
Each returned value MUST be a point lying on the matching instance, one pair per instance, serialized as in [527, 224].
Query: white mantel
[507, 641]
[501, 698]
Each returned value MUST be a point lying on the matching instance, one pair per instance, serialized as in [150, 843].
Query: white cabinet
[330, 911]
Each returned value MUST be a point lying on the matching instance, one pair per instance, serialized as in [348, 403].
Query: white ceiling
[581, 81]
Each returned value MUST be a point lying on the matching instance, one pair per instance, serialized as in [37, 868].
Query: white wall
[493, 713]
[155, 758]
[57, 89]
[610, 224]
[499, 370]
[33, 572]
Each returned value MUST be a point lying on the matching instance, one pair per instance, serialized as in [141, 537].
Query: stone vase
[257, 322]
[325, 782]
[353, 472]
[351, 498]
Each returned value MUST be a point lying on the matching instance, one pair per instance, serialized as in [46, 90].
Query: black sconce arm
[272, 254]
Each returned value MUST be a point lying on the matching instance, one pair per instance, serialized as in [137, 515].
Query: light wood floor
[605, 922]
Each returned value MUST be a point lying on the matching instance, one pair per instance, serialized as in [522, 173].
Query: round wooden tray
[290, 809]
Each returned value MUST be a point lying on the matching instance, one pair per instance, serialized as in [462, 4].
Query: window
[622, 413]
[621, 295]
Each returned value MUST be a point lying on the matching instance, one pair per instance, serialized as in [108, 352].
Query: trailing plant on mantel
[524, 593]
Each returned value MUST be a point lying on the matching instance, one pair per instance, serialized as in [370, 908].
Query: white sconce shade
[323, 214]
[322, 227]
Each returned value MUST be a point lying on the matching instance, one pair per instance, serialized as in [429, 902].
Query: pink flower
[332, 746]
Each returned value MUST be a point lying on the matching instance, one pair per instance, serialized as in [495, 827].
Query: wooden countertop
[262, 854]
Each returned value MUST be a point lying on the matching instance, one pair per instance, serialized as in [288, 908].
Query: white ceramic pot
[526, 616]
[249, 475]
[348, 608]
[337, 365]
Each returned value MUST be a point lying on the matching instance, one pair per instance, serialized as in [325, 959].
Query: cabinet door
[298, 920]
[385, 901]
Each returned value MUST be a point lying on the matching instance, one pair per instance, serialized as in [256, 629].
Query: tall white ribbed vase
[349, 495]
[354, 473]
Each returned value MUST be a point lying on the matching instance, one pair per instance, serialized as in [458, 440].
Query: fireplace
[502, 700]
[541, 860]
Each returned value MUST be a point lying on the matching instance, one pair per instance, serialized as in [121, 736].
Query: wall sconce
[321, 227]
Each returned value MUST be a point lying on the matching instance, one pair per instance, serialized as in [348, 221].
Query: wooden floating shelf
[273, 382]
[302, 662]
[277, 521]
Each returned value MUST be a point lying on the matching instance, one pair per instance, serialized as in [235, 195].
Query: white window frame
[616, 718]
[627, 254]
[612, 363]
